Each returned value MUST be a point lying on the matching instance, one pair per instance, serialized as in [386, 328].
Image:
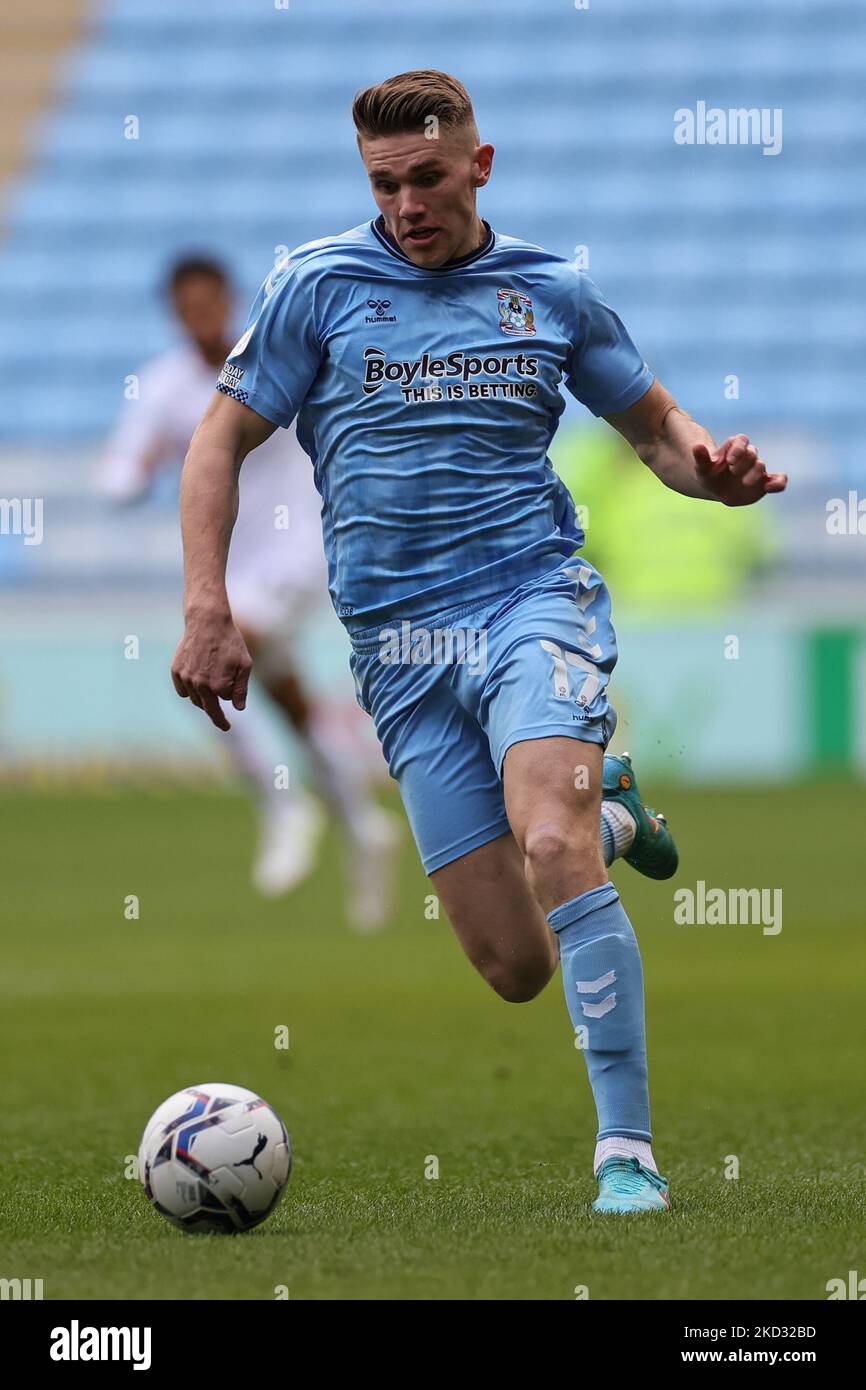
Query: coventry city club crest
[515, 312]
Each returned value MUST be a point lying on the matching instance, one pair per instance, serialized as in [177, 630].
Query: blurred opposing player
[276, 573]
[422, 353]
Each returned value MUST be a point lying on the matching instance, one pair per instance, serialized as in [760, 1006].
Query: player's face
[425, 190]
[203, 305]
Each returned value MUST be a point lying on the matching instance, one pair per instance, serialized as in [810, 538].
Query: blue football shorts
[449, 696]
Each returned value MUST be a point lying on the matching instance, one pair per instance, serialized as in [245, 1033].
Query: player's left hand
[734, 473]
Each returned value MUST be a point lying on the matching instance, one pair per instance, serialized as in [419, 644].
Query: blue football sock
[603, 979]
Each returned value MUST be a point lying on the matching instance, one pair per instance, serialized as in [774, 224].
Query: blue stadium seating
[720, 259]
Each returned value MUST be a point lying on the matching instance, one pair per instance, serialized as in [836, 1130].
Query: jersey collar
[378, 228]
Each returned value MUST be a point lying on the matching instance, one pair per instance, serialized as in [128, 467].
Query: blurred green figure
[661, 556]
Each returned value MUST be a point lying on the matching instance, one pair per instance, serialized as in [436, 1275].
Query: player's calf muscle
[517, 987]
[517, 966]
[497, 920]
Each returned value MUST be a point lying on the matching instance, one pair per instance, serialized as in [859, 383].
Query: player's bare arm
[212, 662]
[684, 456]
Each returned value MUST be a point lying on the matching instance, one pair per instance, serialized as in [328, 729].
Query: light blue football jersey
[427, 400]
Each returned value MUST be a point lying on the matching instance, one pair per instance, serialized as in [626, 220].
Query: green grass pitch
[399, 1051]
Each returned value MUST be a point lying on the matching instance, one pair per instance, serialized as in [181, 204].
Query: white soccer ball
[214, 1158]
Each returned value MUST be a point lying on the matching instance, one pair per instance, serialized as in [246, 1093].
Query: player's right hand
[212, 664]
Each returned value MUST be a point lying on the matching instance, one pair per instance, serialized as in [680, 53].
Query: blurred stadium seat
[722, 260]
[245, 143]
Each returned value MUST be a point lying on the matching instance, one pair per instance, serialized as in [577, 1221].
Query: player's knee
[561, 859]
[548, 847]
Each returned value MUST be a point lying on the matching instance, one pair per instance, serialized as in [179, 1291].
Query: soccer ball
[214, 1158]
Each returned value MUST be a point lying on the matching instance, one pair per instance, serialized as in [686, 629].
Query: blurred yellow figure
[659, 554]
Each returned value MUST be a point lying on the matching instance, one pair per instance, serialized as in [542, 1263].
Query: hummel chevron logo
[599, 1010]
[595, 986]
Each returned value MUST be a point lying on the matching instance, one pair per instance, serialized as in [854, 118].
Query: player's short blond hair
[406, 103]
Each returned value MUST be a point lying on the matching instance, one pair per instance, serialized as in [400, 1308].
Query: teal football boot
[625, 1185]
[653, 851]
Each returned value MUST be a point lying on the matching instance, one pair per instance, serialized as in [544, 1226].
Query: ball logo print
[261, 1143]
[215, 1158]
